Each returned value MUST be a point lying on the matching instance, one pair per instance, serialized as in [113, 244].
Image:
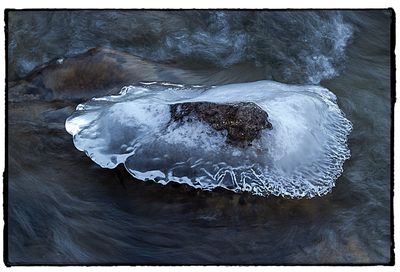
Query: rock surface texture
[243, 121]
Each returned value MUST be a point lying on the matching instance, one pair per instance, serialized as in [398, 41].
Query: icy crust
[301, 156]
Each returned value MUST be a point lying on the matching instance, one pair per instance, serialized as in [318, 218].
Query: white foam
[301, 156]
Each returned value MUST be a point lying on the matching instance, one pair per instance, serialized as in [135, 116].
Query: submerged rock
[243, 121]
[103, 71]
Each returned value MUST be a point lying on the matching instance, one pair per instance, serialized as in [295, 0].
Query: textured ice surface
[301, 156]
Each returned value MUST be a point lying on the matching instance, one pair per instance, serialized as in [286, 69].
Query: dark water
[287, 46]
[63, 208]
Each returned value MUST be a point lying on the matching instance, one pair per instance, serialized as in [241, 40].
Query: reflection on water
[63, 208]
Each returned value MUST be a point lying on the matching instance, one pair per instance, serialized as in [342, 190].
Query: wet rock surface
[103, 71]
[243, 121]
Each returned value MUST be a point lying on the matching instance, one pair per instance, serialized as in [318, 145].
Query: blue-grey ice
[302, 156]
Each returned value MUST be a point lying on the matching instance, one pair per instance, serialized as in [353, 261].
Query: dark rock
[243, 121]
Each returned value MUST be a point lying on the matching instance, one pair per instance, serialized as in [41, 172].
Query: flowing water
[63, 208]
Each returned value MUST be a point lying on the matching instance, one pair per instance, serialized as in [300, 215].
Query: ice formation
[301, 156]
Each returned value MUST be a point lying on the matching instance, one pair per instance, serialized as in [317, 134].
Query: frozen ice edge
[217, 179]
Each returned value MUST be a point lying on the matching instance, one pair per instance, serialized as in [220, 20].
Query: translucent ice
[301, 156]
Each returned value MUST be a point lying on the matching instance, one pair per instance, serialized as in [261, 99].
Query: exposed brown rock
[243, 121]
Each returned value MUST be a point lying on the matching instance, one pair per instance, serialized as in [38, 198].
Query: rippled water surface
[63, 208]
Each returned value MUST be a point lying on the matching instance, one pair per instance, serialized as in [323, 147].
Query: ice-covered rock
[142, 128]
[242, 121]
